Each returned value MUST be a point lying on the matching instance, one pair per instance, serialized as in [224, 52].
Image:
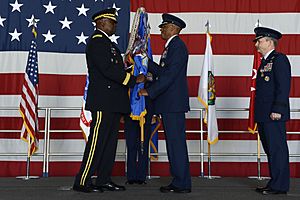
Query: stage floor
[58, 188]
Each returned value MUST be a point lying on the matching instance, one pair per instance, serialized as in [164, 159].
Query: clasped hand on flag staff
[136, 61]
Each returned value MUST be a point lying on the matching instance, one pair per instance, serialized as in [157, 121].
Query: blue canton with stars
[32, 64]
[62, 25]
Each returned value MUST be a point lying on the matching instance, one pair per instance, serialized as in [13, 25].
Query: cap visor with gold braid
[109, 13]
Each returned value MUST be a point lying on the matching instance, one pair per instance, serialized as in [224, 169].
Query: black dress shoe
[260, 189]
[97, 188]
[111, 186]
[130, 182]
[172, 188]
[270, 191]
[85, 189]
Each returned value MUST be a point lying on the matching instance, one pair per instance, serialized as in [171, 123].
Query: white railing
[46, 154]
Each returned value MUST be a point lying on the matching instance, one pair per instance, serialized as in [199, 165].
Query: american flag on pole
[29, 98]
[207, 93]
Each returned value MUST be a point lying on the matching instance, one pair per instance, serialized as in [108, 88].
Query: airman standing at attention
[272, 108]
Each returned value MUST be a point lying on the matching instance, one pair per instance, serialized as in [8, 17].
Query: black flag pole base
[210, 177]
[260, 178]
[65, 188]
[142, 147]
[25, 178]
[202, 175]
[152, 177]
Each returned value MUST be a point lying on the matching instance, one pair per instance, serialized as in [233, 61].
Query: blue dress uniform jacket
[272, 95]
[273, 83]
[107, 90]
[169, 92]
[170, 88]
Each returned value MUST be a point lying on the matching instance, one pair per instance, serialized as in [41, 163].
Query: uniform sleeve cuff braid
[125, 82]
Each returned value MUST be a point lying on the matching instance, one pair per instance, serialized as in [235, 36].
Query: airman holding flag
[169, 91]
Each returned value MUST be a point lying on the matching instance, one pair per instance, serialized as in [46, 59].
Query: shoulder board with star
[97, 36]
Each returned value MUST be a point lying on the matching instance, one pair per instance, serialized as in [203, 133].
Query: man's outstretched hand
[140, 78]
[143, 92]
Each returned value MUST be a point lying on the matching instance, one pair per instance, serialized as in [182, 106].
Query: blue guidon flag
[136, 56]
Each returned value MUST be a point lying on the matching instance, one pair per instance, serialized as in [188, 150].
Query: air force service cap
[109, 13]
[167, 18]
[261, 32]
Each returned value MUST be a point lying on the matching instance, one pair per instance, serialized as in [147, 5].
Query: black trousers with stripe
[100, 150]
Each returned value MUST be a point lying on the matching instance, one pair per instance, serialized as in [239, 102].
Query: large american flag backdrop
[63, 28]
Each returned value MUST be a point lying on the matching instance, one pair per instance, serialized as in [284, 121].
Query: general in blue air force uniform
[107, 99]
[169, 91]
[272, 108]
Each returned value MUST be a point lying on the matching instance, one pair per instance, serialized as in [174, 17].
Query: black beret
[109, 13]
[167, 18]
[261, 32]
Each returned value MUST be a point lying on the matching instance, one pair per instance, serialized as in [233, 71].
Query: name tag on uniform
[164, 55]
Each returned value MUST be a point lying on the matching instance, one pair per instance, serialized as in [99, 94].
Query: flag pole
[149, 149]
[209, 159]
[143, 119]
[27, 177]
[209, 146]
[28, 159]
[258, 158]
[142, 122]
[201, 145]
[258, 177]
[258, 145]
